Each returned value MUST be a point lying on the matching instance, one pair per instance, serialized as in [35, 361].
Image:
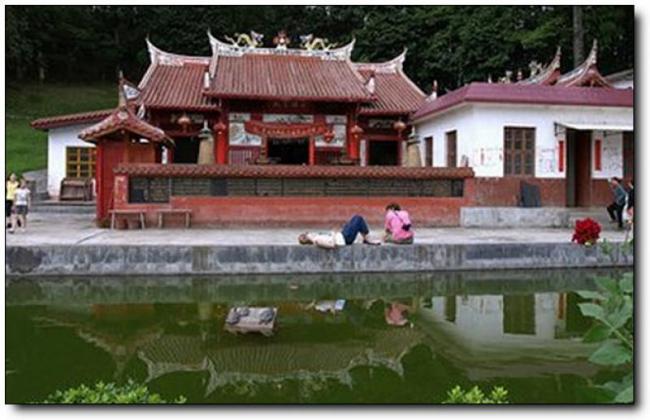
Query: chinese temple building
[305, 136]
[567, 134]
[268, 130]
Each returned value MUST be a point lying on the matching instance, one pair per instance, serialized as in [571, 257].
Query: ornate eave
[587, 74]
[549, 74]
[394, 65]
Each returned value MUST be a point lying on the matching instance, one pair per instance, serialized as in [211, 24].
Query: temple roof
[527, 94]
[586, 74]
[547, 75]
[280, 77]
[176, 87]
[394, 92]
[71, 119]
[123, 119]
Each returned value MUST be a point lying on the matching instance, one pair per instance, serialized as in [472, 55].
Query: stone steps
[67, 207]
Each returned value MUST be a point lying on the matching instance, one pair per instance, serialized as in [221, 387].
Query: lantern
[356, 130]
[399, 126]
[184, 121]
[219, 127]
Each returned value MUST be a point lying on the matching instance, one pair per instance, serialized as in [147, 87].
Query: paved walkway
[69, 229]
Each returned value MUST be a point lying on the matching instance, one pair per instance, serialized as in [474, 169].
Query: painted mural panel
[339, 126]
[237, 135]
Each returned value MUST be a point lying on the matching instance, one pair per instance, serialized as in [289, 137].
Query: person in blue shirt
[615, 209]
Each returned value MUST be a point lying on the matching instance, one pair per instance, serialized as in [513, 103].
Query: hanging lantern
[356, 130]
[399, 126]
[184, 121]
[220, 127]
[329, 136]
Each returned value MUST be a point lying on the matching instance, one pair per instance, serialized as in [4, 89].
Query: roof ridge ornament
[221, 48]
[252, 40]
[310, 43]
[540, 75]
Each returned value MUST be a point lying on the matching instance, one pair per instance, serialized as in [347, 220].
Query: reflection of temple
[277, 361]
[490, 329]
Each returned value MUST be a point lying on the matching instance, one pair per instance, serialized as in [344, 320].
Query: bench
[115, 213]
[186, 212]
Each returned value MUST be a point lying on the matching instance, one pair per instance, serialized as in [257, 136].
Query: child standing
[22, 202]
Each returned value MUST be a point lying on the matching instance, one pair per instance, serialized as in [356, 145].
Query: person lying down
[346, 236]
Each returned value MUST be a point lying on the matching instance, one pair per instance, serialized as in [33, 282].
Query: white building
[568, 134]
[67, 155]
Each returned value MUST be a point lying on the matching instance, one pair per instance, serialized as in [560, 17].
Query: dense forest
[453, 44]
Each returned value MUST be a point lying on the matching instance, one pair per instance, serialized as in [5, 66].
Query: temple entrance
[383, 153]
[186, 150]
[288, 151]
[578, 168]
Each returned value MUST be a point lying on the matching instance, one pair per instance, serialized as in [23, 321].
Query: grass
[25, 147]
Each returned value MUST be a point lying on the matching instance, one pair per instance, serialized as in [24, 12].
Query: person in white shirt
[22, 202]
[346, 236]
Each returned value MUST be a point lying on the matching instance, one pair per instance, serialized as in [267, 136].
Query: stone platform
[70, 244]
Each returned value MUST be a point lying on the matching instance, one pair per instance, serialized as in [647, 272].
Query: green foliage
[612, 309]
[453, 44]
[25, 147]
[110, 393]
[498, 395]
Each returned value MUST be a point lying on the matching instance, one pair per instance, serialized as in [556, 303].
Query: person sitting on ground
[12, 185]
[330, 240]
[615, 210]
[397, 225]
[22, 202]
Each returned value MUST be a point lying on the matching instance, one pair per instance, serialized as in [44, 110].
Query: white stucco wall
[611, 154]
[480, 131]
[479, 318]
[58, 140]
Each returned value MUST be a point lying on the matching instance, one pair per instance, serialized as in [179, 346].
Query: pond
[331, 343]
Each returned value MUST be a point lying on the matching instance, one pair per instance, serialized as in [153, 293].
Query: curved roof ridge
[393, 65]
[549, 74]
[586, 73]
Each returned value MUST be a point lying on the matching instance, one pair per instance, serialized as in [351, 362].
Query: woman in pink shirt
[397, 225]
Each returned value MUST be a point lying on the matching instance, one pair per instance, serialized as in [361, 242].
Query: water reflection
[462, 329]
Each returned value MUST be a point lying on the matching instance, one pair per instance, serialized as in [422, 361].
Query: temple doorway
[186, 150]
[578, 168]
[383, 153]
[288, 151]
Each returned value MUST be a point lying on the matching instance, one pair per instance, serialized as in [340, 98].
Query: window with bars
[519, 151]
[451, 149]
[428, 151]
[80, 162]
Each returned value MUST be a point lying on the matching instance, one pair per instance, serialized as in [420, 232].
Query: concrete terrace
[79, 229]
[70, 245]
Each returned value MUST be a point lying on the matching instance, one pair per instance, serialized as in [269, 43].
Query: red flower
[587, 231]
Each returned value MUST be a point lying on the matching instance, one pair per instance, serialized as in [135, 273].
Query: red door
[111, 153]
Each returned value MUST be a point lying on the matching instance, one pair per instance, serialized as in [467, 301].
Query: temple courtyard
[80, 229]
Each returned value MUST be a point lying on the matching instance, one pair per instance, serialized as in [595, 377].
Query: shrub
[612, 309]
[587, 232]
[457, 395]
[110, 393]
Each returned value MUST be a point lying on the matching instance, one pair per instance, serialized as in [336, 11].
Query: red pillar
[99, 180]
[312, 151]
[354, 143]
[221, 152]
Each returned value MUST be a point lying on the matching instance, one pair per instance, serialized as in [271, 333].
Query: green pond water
[517, 329]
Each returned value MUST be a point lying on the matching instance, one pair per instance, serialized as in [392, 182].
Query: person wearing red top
[397, 225]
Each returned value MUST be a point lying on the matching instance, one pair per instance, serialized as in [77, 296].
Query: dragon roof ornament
[240, 46]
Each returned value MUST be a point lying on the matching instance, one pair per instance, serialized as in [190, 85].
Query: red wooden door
[111, 154]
